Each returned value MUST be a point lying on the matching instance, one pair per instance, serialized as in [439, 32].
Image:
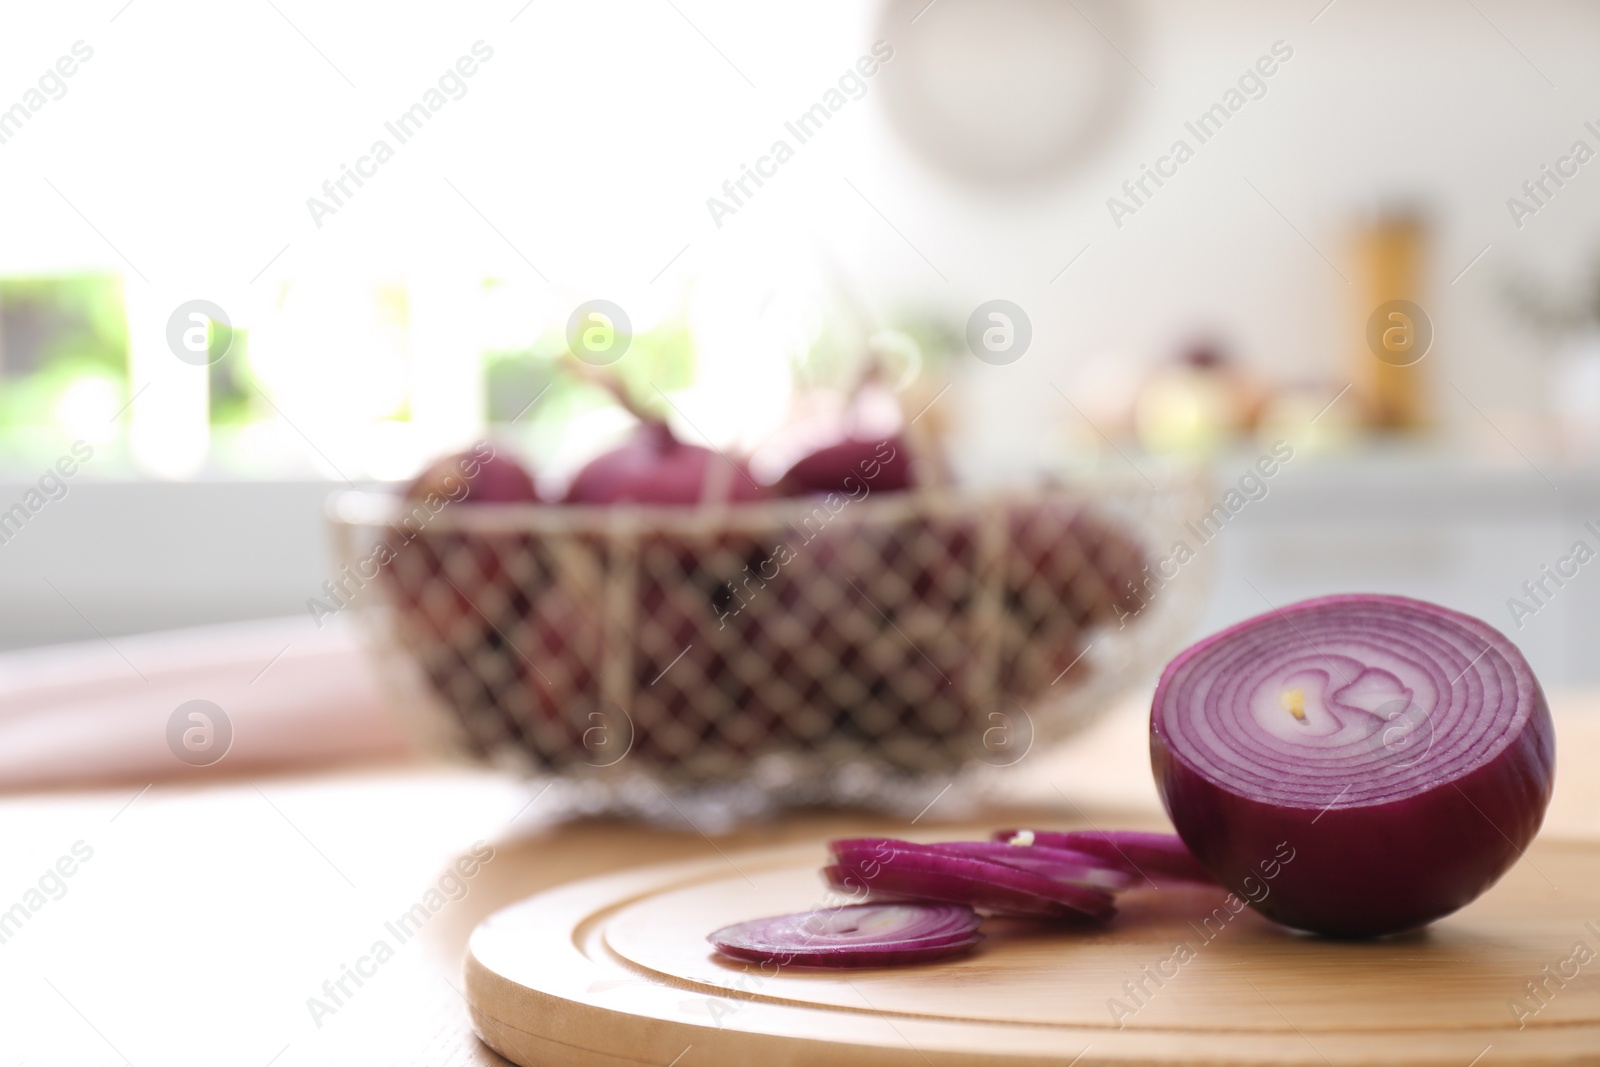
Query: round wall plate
[1003, 90]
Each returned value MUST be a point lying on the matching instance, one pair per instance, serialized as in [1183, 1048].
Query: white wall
[119, 558]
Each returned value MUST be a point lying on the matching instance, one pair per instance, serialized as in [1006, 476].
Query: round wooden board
[616, 971]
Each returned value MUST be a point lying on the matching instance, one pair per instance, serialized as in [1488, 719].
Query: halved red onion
[856, 935]
[1057, 864]
[887, 869]
[1158, 859]
[1354, 765]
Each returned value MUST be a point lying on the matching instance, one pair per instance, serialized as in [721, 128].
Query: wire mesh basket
[665, 661]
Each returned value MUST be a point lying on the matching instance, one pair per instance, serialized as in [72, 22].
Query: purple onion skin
[654, 467]
[489, 478]
[843, 467]
[858, 959]
[1369, 870]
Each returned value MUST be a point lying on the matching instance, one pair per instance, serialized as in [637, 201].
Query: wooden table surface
[213, 922]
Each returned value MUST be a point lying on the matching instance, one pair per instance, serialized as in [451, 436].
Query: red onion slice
[1159, 859]
[856, 935]
[902, 870]
[1354, 765]
[1057, 864]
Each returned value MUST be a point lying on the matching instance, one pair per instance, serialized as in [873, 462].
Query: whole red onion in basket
[691, 707]
[695, 700]
[882, 465]
[420, 553]
[452, 588]
[479, 476]
[654, 467]
[871, 624]
[1068, 558]
[1068, 570]
[1386, 758]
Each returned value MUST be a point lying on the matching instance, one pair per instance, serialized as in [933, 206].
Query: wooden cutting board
[616, 971]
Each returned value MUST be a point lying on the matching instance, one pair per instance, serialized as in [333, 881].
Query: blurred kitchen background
[1424, 152]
